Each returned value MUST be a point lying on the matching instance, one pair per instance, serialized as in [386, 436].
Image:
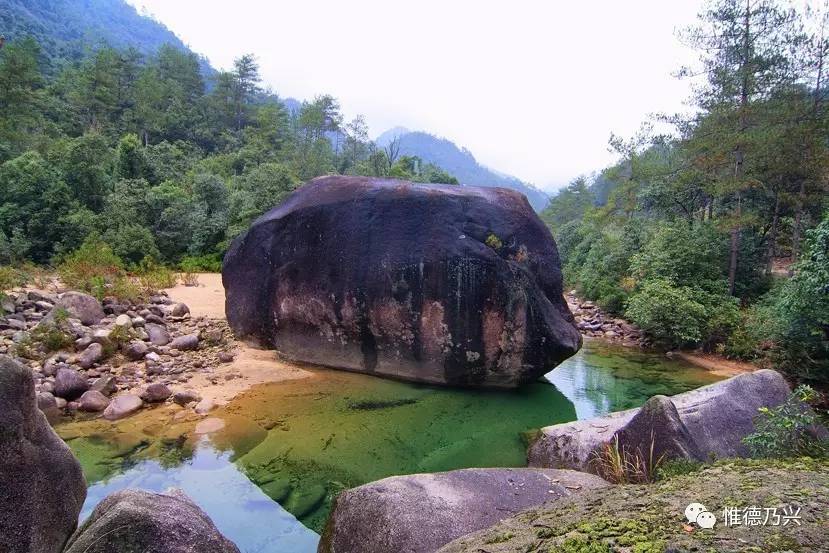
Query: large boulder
[712, 421]
[78, 306]
[430, 283]
[135, 521]
[422, 512]
[70, 384]
[41, 484]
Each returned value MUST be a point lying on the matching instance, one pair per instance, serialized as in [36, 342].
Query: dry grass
[616, 464]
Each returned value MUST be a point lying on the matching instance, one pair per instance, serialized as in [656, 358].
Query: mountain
[67, 29]
[459, 162]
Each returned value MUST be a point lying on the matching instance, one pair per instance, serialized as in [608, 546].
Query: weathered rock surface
[135, 521]
[185, 343]
[713, 420]
[41, 484]
[79, 306]
[93, 401]
[92, 354]
[70, 384]
[156, 393]
[422, 512]
[430, 283]
[634, 517]
[122, 406]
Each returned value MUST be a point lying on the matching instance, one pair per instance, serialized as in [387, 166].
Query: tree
[20, 81]
[747, 53]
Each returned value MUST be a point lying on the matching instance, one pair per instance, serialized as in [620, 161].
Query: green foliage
[667, 312]
[11, 277]
[788, 430]
[91, 268]
[132, 243]
[53, 335]
[494, 242]
[201, 264]
[802, 310]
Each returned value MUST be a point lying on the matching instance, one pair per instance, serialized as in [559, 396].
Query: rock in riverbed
[430, 283]
[422, 512]
[135, 521]
[712, 421]
[41, 484]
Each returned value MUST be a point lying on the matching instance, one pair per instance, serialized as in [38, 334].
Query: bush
[788, 430]
[91, 267]
[153, 276]
[11, 278]
[132, 243]
[211, 263]
[669, 313]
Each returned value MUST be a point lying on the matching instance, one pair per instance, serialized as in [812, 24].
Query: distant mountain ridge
[459, 162]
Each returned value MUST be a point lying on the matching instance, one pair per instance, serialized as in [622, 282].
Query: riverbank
[594, 323]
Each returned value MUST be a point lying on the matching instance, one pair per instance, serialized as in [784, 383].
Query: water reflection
[602, 378]
[240, 510]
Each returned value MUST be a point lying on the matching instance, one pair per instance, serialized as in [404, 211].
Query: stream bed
[266, 466]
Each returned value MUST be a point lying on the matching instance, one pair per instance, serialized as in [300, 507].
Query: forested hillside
[457, 161]
[693, 234]
[134, 151]
[67, 30]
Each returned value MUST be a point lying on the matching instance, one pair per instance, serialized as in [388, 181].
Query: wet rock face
[441, 284]
[41, 484]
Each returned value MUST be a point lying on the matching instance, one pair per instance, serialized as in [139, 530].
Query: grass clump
[616, 464]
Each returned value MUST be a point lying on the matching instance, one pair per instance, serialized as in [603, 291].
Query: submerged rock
[135, 521]
[712, 421]
[422, 512]
[430, 283]
[41, 484]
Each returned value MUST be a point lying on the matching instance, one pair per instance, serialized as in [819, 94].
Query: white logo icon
[697, 512]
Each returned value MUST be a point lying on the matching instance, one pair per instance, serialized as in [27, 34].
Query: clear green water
[267, 478]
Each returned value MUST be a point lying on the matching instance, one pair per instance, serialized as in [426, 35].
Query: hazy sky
[532, 88]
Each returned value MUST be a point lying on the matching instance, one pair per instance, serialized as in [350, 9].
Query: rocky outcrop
[651, 518]
[708, 422]
[41, 484]
[422, 512]
[135, 521]
[595, 323]
[429, 283]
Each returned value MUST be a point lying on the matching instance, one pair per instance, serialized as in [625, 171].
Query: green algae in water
[304, 441]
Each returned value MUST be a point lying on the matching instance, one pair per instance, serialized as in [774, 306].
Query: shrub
[210, 263]
[89, 267]
[788, 430]
[153, 276]
[132, 243]
[669, 313]
[54, 335]
[618, 465]
[11, 278]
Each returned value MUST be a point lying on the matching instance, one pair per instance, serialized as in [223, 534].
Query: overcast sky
[532, 88]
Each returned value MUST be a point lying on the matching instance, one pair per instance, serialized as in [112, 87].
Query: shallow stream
[266, 466]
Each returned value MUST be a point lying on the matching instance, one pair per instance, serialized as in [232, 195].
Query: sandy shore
[251, 365]
[716, 363]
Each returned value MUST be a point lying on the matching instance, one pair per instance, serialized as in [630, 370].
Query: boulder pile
[109, 357]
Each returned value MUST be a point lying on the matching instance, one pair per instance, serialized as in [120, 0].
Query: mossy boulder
[650, 518]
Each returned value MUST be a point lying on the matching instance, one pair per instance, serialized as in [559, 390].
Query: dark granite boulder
[135, 521]
[41, 484]
[431, 283]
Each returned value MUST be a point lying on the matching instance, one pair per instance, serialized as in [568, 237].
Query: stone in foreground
[422, 512]
[41, 484]
[428, 283]
[711, 422]
[135, 521]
